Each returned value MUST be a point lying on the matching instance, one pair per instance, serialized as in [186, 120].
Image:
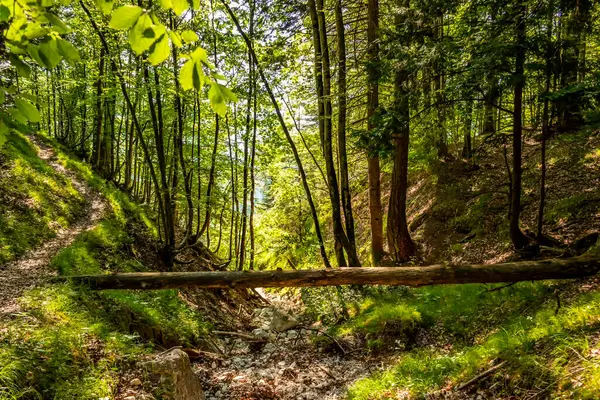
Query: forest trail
[28, 270]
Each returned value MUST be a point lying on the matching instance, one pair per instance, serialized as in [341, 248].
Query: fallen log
[394, 276]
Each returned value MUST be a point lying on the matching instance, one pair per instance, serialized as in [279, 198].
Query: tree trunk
[518, 238]
[373, 71]
[400, 244]
[342, 101]
[410, 276]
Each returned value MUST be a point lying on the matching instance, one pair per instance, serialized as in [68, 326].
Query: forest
[299, 199]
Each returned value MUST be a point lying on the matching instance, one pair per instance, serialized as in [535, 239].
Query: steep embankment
[64, 342]
[457, 210]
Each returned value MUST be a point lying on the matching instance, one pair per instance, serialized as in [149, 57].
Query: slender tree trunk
[518, 238]
[467, 151]
[343, 155]
[242, 255]
[252, 182]
[373, 71]
[545, 126]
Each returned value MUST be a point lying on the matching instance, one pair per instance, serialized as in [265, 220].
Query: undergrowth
[35, 200]
[546, 350]
[71, 342]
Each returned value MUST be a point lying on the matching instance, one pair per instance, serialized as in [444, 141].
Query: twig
[322, 368]
[328, 335]
[499, 287]
[480, 376]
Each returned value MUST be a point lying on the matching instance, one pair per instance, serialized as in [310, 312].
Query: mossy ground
[35, 200]
[70, 342]
[465, 329]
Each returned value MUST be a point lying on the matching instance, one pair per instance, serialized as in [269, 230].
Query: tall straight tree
[401, 246]
[518, 238]
[341, 128]
[373, 72]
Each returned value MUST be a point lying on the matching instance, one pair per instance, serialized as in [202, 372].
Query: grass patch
[543, 350]
[70, 342]
[35, 200]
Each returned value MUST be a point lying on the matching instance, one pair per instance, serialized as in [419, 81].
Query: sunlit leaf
[217, 100]
[124, 17]
[34, 53]
[22, 68]
[186, 75]
[189, 36]
[175, 38]
[27, 109]
[68, 51]
[17, 115]
[160, 51]
[179, 6]
[105, 6]
[166, 4]
[199, 55]
[138, 36]
[35, 31]
[48, 52]
[57, 23]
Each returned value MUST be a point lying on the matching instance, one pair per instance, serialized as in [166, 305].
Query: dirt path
[28, 270]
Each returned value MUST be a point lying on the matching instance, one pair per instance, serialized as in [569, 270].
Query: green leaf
[105, 6]
[27, 109]
[189, 36]
[3, 132]
[217, 100]
[166, 4]
[198, 76]
[33, 51]
[16, 114]
[175, 38]
[4, 13]
[2, 96]
[199, 55]
[160, 51]
[35, 31]
[179, 6]
[186, 75]
[195, 4]
[22, 68]
[124, 17]
[138, 35]
[68, 51]
[48, 52]
[56, 22]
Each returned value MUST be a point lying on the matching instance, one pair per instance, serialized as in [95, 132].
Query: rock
[135, 382]
[269, 348]
[282, 322]
[260, 333]
[175, 375]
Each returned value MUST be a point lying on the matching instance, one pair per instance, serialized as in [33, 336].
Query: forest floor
[64, 342]
[28, 270]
